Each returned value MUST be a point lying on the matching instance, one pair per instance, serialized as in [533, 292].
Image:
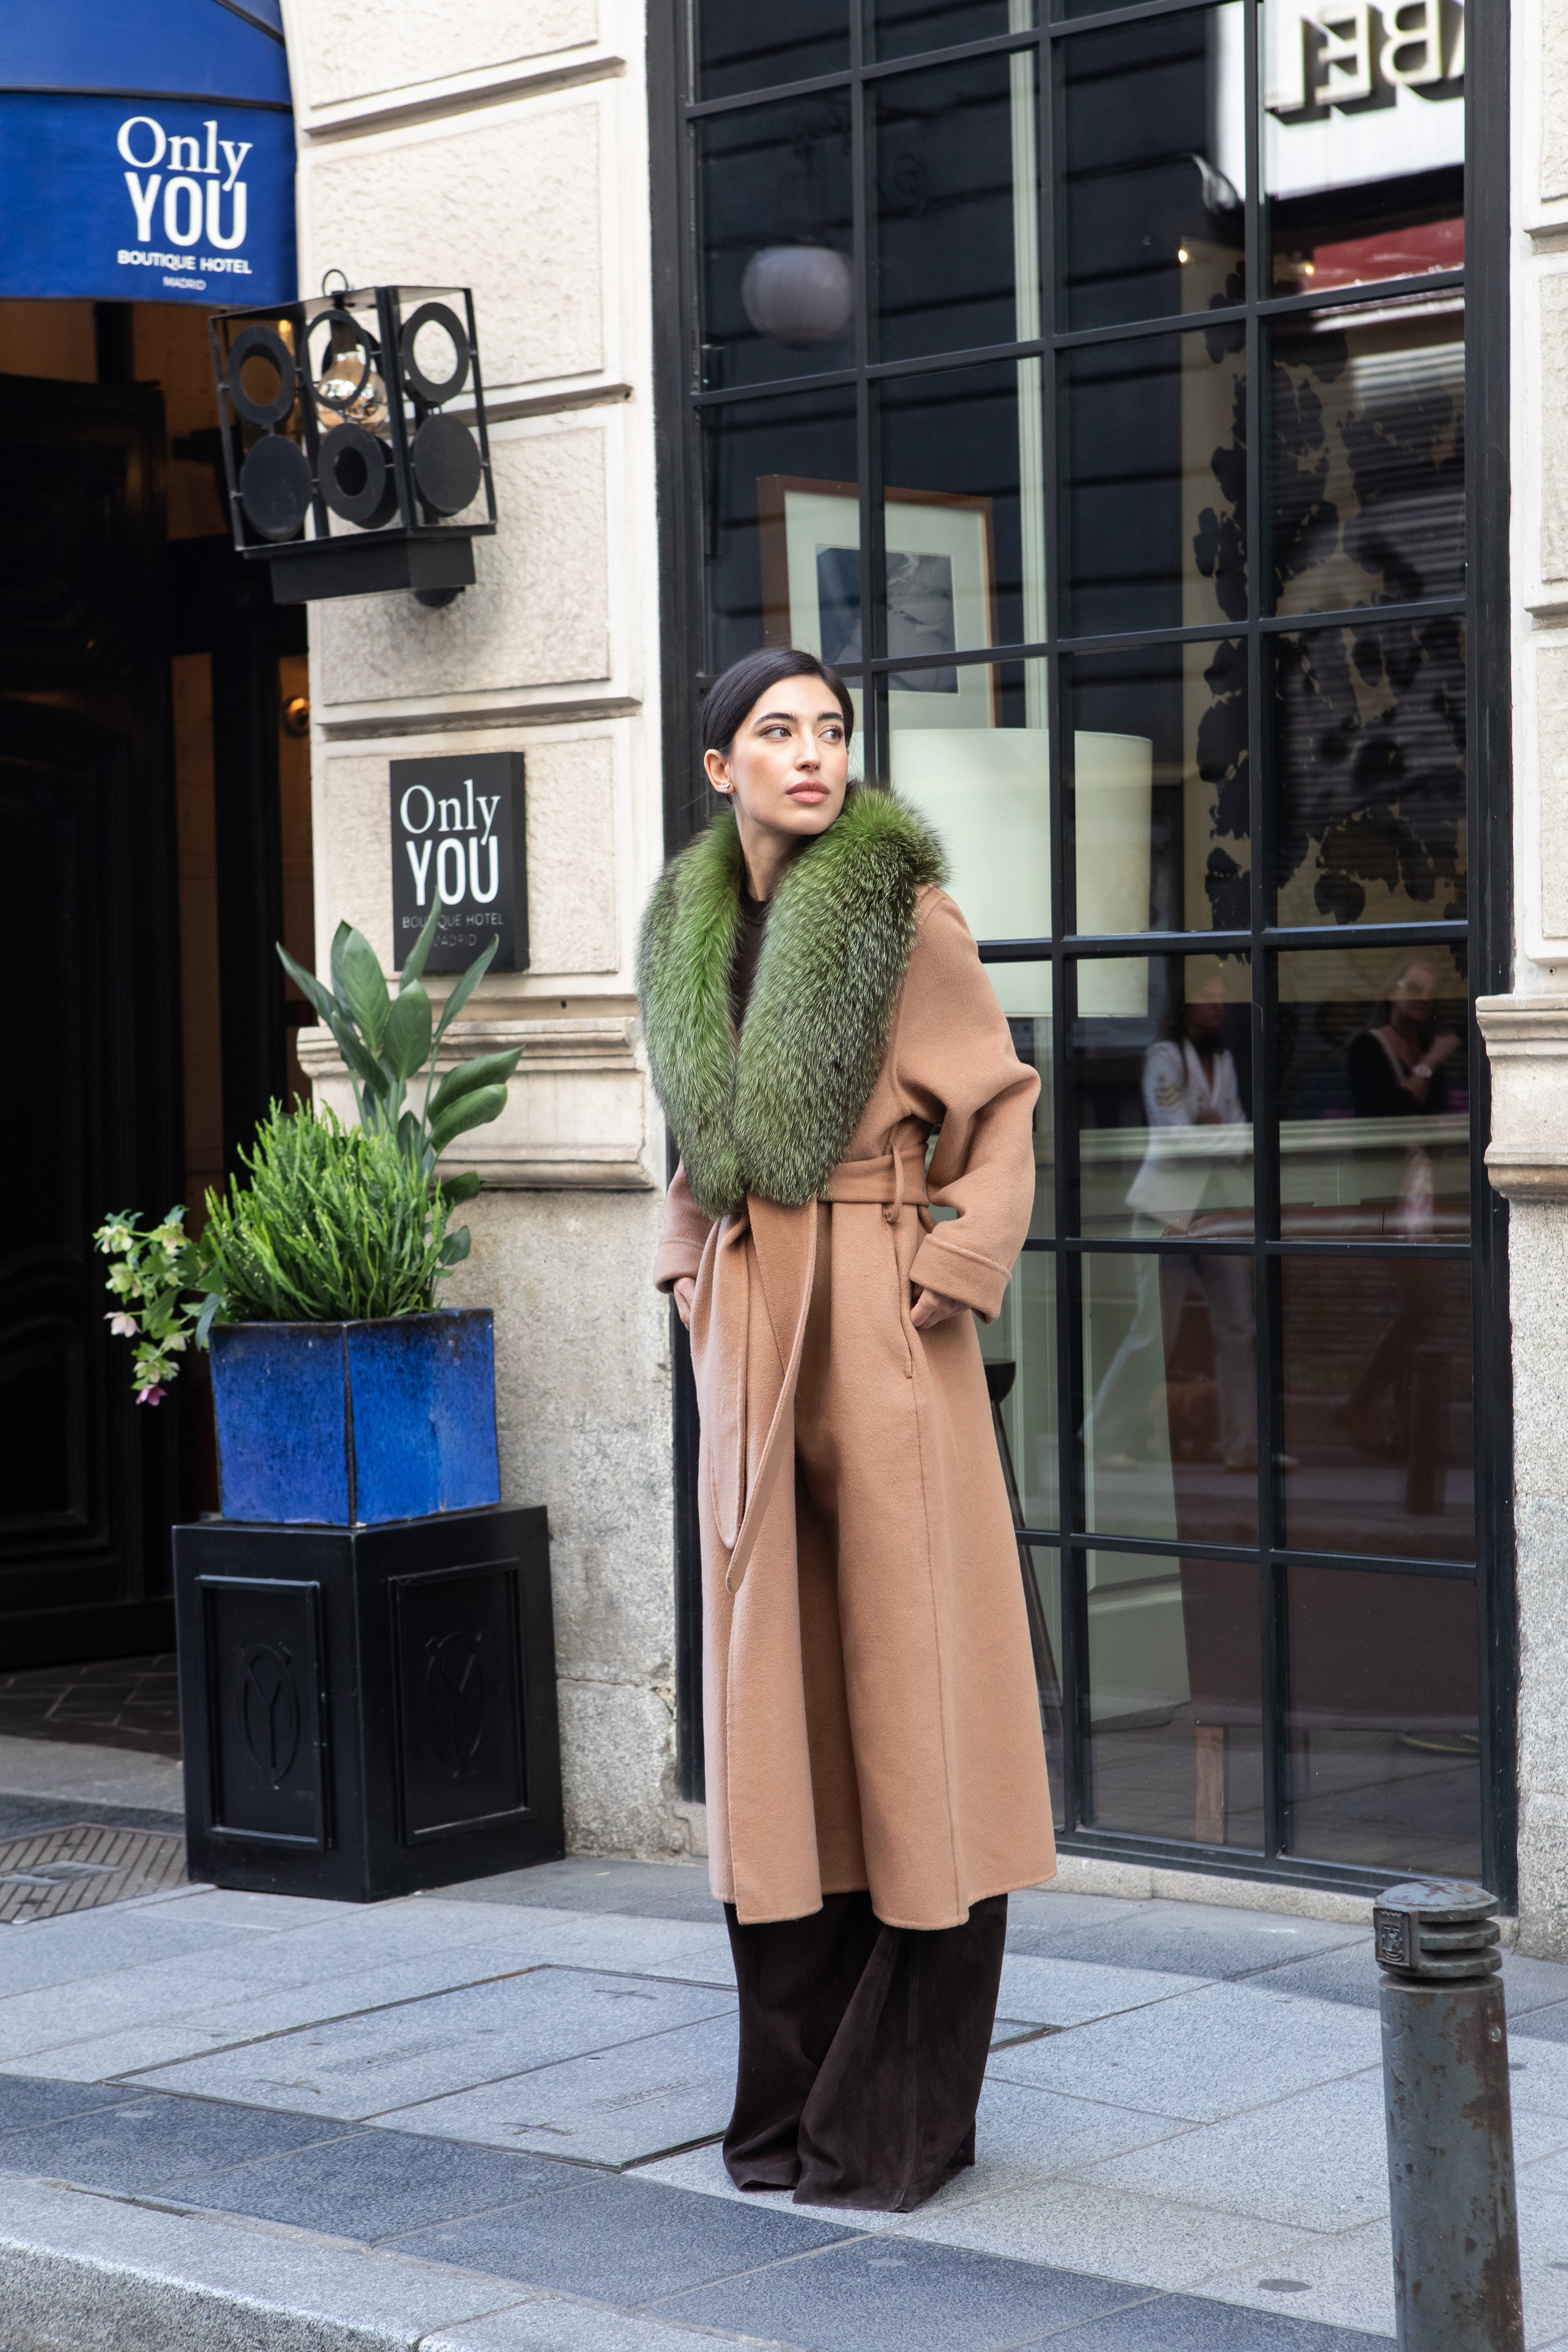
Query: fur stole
[774, 1114]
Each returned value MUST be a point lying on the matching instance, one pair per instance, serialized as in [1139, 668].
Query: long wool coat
[871, 1711]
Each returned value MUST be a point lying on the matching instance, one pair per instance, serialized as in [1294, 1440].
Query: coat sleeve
[685, 1228]
[955, 1066]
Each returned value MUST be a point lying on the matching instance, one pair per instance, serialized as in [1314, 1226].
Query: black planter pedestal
[367, 1711]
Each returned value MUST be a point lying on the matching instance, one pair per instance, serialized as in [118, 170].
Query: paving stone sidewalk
[486, 2119]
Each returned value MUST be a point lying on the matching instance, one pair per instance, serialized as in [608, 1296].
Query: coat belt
[889, 1181]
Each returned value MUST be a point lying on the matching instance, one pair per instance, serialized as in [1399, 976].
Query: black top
[747, 949]
[1375, 1091]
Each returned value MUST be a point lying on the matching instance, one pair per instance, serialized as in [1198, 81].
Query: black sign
[458, 829]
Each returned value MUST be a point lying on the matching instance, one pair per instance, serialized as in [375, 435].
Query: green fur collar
[773, 1116]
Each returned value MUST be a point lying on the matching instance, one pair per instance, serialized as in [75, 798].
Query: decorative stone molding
[1527, 1045]
[576, 1115]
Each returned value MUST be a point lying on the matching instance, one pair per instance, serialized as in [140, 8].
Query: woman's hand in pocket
[931, 1309]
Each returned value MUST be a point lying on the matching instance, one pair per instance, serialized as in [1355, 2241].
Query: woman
[815, 1011]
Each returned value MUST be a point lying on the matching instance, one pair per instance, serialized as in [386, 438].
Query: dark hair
[745, 682]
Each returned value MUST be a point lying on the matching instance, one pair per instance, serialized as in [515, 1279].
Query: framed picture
[941, 589]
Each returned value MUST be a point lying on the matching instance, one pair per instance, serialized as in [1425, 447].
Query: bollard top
[1437, 1930]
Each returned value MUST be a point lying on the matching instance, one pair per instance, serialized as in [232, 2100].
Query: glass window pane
[757, 48]
[1154, 483]
[775, 200]
[1369, 764]
[1162, 1082]
[1153, 170]
[1020, 1352]
[1367, 458]
[964, 508]
[774, 471]
[1363, 142]
[1157, 792]
[957, 207]
[1175, 1745]
[968, 746]
[1378, 1420]
[1384, 1720]
[1368, 1145]
[1043, 1597]
[903, 28]
[1169, 1385]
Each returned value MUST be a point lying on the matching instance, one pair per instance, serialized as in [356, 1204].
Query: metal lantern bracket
[356, 477]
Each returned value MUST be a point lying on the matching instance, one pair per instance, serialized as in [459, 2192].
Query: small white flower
[123, 1326]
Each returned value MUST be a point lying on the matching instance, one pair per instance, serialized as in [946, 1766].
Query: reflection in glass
[776, 472]
[903, 28]
[1162, 1079]
[1384, 1720]
[1042, 1569]
[1170, 1373]
[1363, 143]
[1373, 1095]
[955, 450]
[956, 206]
[1157, 808]
[775, 195]
[1378, 1419]
[1152, 222]
[971, 754]
[1369, 762]
[1154, 483]
[1174, 1679]
[1020, 1352]
[756, 49]
[1368, 459]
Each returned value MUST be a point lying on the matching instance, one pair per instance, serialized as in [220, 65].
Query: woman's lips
[812, 794]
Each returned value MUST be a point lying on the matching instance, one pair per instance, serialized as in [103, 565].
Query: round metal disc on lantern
[357, 477]
[798, 295]
[446, 465]
[276, 487]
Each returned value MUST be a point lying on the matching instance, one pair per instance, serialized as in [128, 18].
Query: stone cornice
[1527, 1046]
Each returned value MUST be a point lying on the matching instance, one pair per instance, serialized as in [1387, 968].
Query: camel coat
[869, 1703]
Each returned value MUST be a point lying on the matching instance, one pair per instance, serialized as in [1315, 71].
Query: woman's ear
[718, 768]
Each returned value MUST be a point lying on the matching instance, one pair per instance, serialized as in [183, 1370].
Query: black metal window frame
[1486, 936]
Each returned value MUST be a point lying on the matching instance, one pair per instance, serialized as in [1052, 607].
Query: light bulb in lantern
[349, 384]
[798, 295]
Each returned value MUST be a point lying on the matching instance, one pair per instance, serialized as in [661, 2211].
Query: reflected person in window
[816, 1013]
[1189, 1083]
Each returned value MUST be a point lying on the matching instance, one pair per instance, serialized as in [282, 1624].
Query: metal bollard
[1450, 2140]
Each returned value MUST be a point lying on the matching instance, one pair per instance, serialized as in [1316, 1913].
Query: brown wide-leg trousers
[863, 2050]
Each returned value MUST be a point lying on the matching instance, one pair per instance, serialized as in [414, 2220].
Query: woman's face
[788, 766]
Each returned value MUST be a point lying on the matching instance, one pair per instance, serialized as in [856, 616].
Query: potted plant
[366, 1653]
[344, 1396]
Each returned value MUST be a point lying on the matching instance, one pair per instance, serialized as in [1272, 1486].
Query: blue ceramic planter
[350, 1424]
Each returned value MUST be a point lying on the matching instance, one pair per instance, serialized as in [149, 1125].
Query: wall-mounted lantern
[354, 441]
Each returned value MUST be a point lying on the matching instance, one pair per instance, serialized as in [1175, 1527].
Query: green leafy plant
[388, 1042]
[152, 1281]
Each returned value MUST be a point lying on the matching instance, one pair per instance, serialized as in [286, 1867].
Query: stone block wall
[502, 145]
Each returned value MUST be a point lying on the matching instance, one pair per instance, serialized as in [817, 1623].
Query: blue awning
[147, 152]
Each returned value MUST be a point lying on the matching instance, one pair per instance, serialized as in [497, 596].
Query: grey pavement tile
[1549, 2024]
[1072, 1992]
[1198, 1939]
[642, 1890]
[1532, 1984]
[95, 1943]
[1022, 2134]
[77, 2269]
[1318, 2161]
[416, 2050]
[1347, 2281]
[1112, 2233]
[1054, 1910]
[374, 2184]
[885, 2294]
[27, 2100]
[1537, 2074]
[24, 1816]
[1189, 2323]
[613, 2108]
[549, 2323]
[622, 2241]
[145, 2143]
[1208, 2055]
[1347, 1975]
